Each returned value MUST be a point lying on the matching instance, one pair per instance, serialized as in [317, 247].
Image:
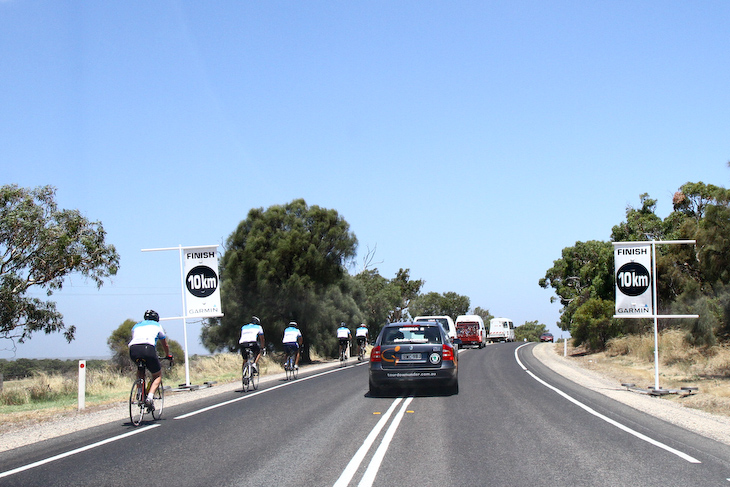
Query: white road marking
[74, 452]
[288, 383]
[369, 477]
[354, 464]
[592, 411]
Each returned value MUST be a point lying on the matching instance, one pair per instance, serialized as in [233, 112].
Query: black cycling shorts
[148, 353]
[291, 347]
[361, 340]
[344, 342]
[246, 346]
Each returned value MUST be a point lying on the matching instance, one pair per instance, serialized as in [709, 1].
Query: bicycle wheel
[255, 377]
[246, 376]
[294, 370]
[159, 401]
[136, 403]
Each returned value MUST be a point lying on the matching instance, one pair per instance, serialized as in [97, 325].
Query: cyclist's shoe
[255, 368]
[296, 367]
[149, 404]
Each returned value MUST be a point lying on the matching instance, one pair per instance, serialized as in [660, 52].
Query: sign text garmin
[201, 282]
[633, 279]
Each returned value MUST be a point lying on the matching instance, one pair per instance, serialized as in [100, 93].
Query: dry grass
[47, 395]
[631, 359]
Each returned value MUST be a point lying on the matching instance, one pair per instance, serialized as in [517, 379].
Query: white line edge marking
[354, 464]
[288, 383]
[625, 428]
[369, 476]
[74, 452]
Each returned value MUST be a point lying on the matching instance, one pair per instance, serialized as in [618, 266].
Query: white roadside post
[82, 384]
[633, 299]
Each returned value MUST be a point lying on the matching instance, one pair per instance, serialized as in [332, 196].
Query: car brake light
[375, 354]
[447, 353]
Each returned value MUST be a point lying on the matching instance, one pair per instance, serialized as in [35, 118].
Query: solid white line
[288, 383]
[369, 477]
[620, 426]
[74, 452]
[354, 464]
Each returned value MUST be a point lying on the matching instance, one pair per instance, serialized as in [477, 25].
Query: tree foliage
[530, 331]
[485, 314]
[40, 246]
[282, 264]
[691, 279]
[436, 304]
[386, 300]
[583, 272]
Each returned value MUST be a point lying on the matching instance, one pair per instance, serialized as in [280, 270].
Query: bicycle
[249, 373]
[361, 351]
[343, 353]
[140, 388]
[290, 365]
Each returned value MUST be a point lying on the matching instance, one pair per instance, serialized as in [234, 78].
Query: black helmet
[151, 315]
[255, 320]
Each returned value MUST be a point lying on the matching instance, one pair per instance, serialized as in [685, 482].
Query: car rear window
[411, 334]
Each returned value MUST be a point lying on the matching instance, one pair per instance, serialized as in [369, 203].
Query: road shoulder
[706, 424]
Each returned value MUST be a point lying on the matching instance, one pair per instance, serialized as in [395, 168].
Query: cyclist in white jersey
[293, 341]
[361, 335]
[344, 336]
[142, 346]
[252, 338]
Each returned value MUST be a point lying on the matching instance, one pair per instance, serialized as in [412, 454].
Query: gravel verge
[700, 422]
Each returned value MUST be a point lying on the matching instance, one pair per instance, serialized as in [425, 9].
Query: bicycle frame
[289, 365]
[249, 375]
[138, 395]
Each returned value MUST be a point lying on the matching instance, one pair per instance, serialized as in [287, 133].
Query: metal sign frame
[655, 304]
[180, 248]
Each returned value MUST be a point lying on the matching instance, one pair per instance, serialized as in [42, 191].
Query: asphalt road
[513, 423]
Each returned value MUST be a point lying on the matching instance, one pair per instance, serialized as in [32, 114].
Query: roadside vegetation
[691, 279]
[43, 394]
[630, 359]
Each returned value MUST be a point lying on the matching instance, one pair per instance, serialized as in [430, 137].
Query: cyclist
[252, 340]
[361, 335]
[142, 346]
[293, 341]
[343, 334]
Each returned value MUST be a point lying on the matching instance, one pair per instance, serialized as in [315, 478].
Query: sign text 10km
[633, 279]
[201, 281]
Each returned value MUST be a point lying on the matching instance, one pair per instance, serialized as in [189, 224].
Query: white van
[470, 330]
[445, 321]
[501, 330]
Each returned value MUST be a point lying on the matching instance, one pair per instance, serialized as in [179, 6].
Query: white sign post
[636, 289]
[82, 384]
[200, 288]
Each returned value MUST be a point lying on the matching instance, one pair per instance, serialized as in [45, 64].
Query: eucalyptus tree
[40, 246]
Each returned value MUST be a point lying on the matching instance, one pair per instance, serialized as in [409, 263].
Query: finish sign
[633, 279]
[202, 298]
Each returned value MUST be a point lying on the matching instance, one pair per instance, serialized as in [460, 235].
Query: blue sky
[469, 142]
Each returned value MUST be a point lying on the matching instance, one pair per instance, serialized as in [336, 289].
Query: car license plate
[410, 356]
